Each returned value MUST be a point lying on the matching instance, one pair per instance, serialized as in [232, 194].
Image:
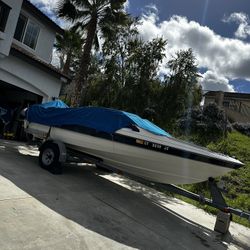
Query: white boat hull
[146, 163]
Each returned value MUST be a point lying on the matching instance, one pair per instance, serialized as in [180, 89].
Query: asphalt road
[88, 209]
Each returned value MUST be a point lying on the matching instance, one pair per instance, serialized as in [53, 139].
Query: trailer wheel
[49, 158]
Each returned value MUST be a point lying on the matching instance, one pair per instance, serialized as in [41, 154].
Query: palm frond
[83, 14]
[83, 4]
[117, 4]
[66, 9]
[79, 27]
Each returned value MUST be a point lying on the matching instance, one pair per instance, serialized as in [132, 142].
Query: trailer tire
[49, 158]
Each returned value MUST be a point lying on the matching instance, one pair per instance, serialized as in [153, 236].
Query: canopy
[101, 119]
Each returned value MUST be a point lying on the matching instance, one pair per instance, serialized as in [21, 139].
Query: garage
[24, 80]
[27, 75]
[12, 102]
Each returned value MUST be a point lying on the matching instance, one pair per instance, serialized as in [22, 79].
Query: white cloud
[151, 8]
[48, 7]
[225, 57]
[55, 58]
[212, 81]
[242, 19]
[126, 5]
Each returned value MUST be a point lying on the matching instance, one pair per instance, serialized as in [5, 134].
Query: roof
[34, 60]
[228, 94]
[41, 16]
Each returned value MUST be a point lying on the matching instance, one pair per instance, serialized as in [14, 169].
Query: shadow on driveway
[99, 205]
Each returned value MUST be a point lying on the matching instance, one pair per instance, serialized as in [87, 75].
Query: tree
[115, 48]
[204, 125]
[88, 15]
[181, 89]
[69, 46]
[104, 87]
[142, 82]
[129, 66]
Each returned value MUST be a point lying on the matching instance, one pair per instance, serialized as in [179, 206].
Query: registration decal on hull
[138, 141]
[152, 145]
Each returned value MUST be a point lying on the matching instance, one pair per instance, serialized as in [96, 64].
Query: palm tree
[69, 46]
[90, 16]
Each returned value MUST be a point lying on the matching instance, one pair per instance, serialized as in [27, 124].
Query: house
[236, 105]
[26, 45]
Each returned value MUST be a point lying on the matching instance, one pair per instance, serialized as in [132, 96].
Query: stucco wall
[243, 101]
[6, 37]
[236, 116]
[19, 73]
[45, 39]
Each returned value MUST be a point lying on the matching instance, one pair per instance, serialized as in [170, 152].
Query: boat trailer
[224, 215]
[217, 201]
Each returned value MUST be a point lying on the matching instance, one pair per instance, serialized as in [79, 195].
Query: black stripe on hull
[173, 151]
[151, 146]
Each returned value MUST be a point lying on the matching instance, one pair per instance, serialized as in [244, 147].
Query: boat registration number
[152, 145]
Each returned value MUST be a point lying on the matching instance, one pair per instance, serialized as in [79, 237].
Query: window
[31, 35]
[20, 28]
[4, 14]
[27, 31]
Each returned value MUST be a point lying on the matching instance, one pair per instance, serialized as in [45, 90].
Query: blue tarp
[101, 119]
[54, 104]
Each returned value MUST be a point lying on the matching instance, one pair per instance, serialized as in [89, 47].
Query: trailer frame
[217, 201]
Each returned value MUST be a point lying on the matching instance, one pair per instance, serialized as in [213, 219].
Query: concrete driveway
[88, 209]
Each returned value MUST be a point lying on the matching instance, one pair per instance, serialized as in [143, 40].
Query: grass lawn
[237, 182]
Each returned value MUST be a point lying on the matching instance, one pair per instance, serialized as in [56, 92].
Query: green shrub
[237, 182]
[204, 125]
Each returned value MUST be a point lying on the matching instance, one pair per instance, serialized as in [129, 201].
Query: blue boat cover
[54, 104]
[101, 119]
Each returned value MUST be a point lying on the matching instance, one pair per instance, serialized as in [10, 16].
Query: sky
[218, 31]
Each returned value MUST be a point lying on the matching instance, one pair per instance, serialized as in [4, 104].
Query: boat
[128, 143]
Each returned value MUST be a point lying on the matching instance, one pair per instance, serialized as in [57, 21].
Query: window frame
[24, 34]
[24, 29]
[28, 21]
[6, 8]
